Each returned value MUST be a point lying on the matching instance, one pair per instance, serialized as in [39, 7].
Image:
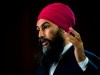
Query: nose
[41, 33]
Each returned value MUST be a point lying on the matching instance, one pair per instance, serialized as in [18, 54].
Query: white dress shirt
[82, 64]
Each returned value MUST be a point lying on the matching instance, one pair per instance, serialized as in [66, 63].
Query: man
[62, 50]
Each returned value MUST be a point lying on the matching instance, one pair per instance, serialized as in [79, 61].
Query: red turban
[59, 14]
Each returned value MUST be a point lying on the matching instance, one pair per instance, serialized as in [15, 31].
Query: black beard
[51, 52]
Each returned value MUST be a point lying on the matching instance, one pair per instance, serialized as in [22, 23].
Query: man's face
[50, 38]
[46, 30]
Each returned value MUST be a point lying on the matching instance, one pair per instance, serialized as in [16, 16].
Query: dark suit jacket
[69, 66]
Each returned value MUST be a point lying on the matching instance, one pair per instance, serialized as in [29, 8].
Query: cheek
[50, 34]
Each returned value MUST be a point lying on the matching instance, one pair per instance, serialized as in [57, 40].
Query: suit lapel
[65, 65]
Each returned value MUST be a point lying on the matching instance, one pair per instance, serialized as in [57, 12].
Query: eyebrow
[43, 24]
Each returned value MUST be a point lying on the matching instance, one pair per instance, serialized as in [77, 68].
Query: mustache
[41, 40]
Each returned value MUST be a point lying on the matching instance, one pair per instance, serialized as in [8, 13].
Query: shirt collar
[66, 49]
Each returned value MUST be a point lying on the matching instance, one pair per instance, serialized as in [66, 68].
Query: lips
[43, 41]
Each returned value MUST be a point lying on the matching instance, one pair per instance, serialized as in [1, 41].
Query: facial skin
[46, 29]
[51, 38]
[49, 30]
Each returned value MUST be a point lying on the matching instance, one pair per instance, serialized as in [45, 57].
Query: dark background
[20, 42]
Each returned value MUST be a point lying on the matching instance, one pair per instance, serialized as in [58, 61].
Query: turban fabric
[59, 14]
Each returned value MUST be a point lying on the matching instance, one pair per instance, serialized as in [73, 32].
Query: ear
[61, 30]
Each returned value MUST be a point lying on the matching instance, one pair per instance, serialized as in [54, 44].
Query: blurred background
[19, 39]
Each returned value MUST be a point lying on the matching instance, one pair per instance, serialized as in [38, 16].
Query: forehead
[42, 21]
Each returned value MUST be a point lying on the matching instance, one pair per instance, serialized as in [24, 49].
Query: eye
[46, 26]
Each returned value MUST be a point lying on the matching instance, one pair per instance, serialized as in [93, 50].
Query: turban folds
[59, 14]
